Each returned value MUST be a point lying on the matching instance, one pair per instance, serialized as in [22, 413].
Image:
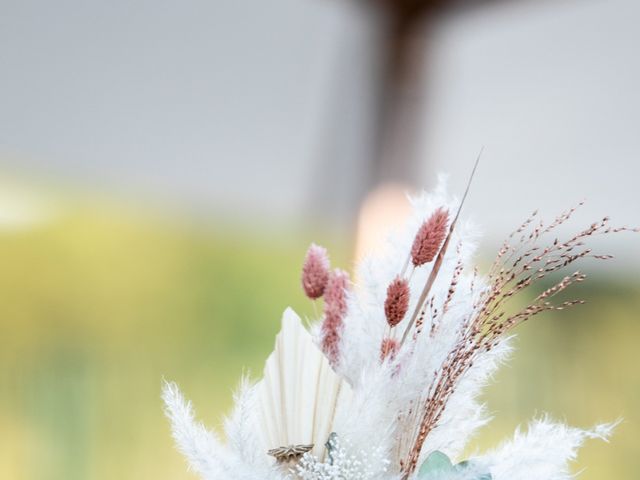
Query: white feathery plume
[368, 421]
[241, 426]
[205, 453]
[365, 327]
[365, 323]
[464, 415]
[544, 451]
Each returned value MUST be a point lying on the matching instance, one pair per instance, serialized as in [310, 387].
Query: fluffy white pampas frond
[206, 455]
[544, 451]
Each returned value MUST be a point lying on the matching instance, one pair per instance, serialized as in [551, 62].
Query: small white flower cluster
[343, 463]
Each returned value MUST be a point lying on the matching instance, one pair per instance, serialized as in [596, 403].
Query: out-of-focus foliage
[579, 365]
[98, 305]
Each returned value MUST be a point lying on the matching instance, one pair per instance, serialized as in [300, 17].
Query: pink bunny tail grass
[429, 238]
[335, 294]
[388, 349]
[397, 301]
[315, 271]
[335, 309]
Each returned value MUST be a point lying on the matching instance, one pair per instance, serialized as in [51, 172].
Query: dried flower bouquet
[385, 384]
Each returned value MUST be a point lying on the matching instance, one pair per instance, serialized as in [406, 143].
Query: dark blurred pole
[405, 46]
[399, 87]
[400, 46]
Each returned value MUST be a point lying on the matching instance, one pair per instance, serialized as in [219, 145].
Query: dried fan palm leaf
[299, 393]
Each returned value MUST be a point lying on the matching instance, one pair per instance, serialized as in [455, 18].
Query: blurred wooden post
[404, 48]
[385, 163]
[394, 165]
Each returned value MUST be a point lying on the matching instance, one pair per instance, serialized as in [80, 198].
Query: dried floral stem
[440, 258]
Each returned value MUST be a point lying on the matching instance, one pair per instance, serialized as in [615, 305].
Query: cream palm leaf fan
[300, 393]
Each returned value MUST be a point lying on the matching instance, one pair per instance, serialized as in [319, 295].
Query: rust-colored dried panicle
[315, 271]
[335, 309]
[534, 263]
[388, 349]
[423, 311]
[453, 286]
[397, 301]
[430, 237]
[517, 267]
[563, 217]
[455, 278]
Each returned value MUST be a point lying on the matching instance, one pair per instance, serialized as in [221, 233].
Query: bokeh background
[164, 165]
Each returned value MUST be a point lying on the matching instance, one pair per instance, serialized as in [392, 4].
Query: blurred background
[164, 165]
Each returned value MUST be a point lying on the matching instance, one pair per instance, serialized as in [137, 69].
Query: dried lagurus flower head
[429, 238]
[315, 271]
[397, 301]
[388, 349]
[335, 308]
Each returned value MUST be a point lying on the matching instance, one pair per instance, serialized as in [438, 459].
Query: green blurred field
[98, 305]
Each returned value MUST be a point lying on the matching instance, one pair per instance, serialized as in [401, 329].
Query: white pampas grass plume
[241, 426]
[205, 454]
[544, 451]
[464, 414]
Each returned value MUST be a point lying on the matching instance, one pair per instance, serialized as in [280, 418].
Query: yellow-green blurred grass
[98, 305]
[580, 365]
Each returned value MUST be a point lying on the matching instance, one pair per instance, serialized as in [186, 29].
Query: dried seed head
[315, 271]
[335, 309]
[388, 349]
[335, 294]
[429, 238]
[331, 346]
[397, 302]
